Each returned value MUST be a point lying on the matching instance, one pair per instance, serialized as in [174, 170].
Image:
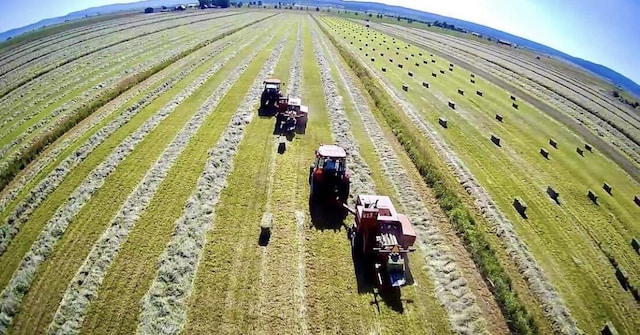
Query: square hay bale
[417, 64]
[406, 58]
[544, 153]
[580, 151]
[553, 194]
[412, 55]
[636, 199]
[381, 54]
[384, 69]
[366, 55]
[425, 62]
[461, 92]
[520, 206]
[553, 143]
[425, 84]
[388, 48]
[451, 104]
[451, 69]
[400, 66]
[431, 55]
[635, 293]
[351, 42]
[441, 71]
[608, 329]
[472, 81]
[366, 44]
[420, 54]
[514, 105]
[373, 49]
[622, 277]
[390, 60]
[443, 122]
[592, 196]
[433, 61]
[635, 244]
[373, 59]
[433, 74]
[473, 75]
[405, 87]
[499, 117]
[360, 49]
[479, 93]
[450, 64]
[397, 53]
[607, 188]
[513, 98]
[495, 139]
[410, 74]
[588, 147]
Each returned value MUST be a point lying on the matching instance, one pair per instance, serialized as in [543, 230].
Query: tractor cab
[272, 85]
[328, 175]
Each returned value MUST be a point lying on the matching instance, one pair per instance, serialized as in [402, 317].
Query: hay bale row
[544, 153]
[499, 117]
[553, 194]
[452, 104]
[553, 143]
[443, 122]
[607, 188]
[520, 206]
[495, 139]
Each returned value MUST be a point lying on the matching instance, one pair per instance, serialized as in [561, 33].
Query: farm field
[135, 174]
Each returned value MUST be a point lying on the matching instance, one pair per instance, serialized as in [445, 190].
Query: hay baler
[383, 238]
[292, 115]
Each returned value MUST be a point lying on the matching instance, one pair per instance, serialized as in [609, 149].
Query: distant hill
[604, 72]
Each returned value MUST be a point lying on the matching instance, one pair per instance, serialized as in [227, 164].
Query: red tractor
[383, 238]
[328, 175]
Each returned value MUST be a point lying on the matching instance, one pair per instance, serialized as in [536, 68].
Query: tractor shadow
[366, 281]
[326, 216]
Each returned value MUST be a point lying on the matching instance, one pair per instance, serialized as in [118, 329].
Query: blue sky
[602, 31]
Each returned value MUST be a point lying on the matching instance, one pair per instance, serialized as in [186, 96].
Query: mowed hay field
[135, 173]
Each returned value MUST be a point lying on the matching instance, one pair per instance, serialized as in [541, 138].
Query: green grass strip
[518, 318]
[19, 163]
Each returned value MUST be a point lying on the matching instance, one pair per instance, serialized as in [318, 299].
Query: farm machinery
[328, 175]
[380, 236]
[271, 95]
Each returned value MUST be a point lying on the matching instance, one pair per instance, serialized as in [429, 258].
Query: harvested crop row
[39, 73]
[13, 293]
[451, 287]
[73, 75]
[163, 307]
[19, 69]
[85, 284]
[62, 113]
[22, 211]
[537, 280]
[74, 39]
[187, 64]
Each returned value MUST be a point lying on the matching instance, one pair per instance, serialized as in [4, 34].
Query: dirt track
[572, 124]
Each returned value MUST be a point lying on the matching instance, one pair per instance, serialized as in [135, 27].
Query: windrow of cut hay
[33, 152]
[21, 79]
[13, 293]
[21, 213]
[451, 288]
[85, 284]
[164, 305]
[382, 93]
[45, 94]
[190, 63]
[69, 45]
